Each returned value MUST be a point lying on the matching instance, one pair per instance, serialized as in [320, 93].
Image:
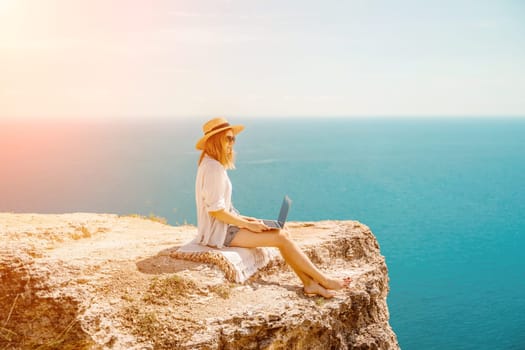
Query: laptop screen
[283, 214]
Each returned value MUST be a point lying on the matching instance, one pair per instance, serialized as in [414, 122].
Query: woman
[220, 224]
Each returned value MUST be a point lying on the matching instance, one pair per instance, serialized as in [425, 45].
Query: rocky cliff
[98, 281]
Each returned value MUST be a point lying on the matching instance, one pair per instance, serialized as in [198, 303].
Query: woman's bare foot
[336, 284]
[315, 288]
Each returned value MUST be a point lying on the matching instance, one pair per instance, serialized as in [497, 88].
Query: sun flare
[4, 5]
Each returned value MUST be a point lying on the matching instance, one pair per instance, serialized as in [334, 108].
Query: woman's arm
[249, 218]
[248, 223]
[234, 212]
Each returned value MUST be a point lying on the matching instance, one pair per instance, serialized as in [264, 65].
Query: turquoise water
[445, 198]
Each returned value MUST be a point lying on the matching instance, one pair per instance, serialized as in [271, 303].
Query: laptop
[283, 214]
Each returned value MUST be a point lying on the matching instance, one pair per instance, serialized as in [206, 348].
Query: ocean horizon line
[201, 118]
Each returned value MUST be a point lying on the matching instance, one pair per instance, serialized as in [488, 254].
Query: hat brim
[235, 128]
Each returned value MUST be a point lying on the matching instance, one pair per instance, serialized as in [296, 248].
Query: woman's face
[229, 140]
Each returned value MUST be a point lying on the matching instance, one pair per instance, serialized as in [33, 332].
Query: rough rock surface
[100, 281]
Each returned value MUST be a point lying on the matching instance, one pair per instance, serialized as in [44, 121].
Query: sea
[445, 198]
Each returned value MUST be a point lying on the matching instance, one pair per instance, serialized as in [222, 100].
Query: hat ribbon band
[217, 127]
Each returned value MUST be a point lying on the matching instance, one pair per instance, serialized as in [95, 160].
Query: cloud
[209, 35]
[193, 14]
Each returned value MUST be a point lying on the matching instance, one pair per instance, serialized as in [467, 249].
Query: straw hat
[214, 126]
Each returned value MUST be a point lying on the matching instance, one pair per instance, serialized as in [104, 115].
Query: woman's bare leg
[310, 286]
[313, 279]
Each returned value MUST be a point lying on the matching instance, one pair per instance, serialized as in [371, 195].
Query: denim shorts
[230, 234]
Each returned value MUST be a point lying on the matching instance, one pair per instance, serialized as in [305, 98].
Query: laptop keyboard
[271, 223]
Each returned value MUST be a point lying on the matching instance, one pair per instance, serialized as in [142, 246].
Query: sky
[174, 59]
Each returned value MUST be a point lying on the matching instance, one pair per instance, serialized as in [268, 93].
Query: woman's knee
[283, 238]
[285, 232]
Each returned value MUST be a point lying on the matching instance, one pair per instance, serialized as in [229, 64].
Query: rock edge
[100, 281]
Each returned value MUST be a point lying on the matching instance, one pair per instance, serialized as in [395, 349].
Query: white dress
[213, 191]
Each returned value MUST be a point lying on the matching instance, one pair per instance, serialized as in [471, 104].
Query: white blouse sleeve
[214, 188]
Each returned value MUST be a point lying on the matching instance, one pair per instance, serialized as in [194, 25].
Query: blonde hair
[215, 148]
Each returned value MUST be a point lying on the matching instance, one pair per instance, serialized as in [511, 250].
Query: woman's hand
[256, 226]
[249, 223]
